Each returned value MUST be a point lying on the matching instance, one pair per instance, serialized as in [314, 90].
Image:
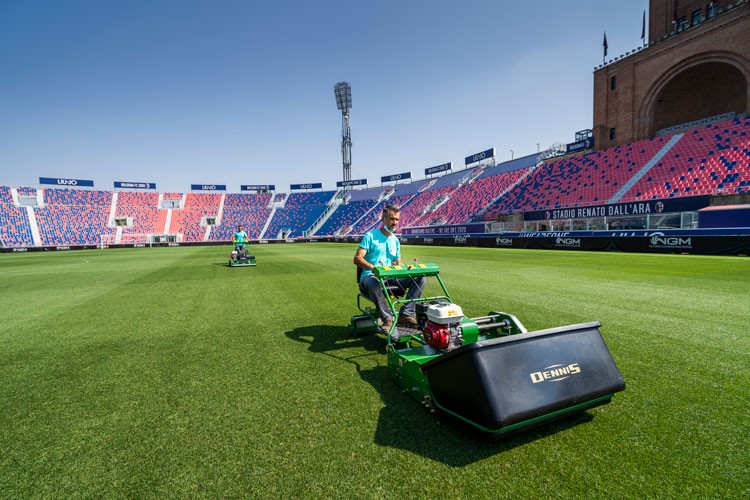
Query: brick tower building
[696, 65]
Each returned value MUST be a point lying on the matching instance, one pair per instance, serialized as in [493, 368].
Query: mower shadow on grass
[402, 423]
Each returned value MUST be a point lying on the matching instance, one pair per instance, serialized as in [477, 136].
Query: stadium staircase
[219, 212]
[470, 177]
[113, 210]
[434, 205]
[421, 204]
[333, 205]
[36, 236]
[444, 200]
[402, 202]
[279, 200]
[510, 188]
[168, 223]
[381, 201]
[26, 201]
[268, 223]
[645, 169]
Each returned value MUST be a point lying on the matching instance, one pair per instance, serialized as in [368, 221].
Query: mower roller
[489, 371]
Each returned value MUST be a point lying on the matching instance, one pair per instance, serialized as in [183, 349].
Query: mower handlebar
[404, 271]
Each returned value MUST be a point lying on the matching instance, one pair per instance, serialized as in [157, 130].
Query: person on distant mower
[239, 239]
[380, 247]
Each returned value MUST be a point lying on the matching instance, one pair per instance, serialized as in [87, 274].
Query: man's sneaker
[407, 321]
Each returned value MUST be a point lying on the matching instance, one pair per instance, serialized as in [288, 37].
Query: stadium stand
[73, 216]
[412, 214]
[710, 159]
[136, 199]
[5, 195]
[342, 220]
[248, 200]
[76, 197]
[15, 230]
[421, 210]
[359, 203]
[373, 218]
[413, 188]
[143, 208]
[187, 221]
[579, 180]
[471, 198]
[172, 196]
[298, 214]
[14, 226]
[401, 195]
[310, 198]
[248, 210]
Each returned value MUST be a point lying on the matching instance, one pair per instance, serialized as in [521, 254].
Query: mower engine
[442, 326]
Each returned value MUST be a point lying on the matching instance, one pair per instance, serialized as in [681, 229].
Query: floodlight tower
[343, 93]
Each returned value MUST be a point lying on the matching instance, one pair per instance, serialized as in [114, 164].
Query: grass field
[161, 372]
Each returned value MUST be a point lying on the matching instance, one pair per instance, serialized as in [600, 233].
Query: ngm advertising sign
[208, 187]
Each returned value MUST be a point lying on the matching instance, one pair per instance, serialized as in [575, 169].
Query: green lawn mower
[241, 257]
[489, 372]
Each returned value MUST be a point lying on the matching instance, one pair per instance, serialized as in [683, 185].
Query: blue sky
[181, 92]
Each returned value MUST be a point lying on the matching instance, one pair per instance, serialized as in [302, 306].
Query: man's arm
[359, 259]
[398, 261]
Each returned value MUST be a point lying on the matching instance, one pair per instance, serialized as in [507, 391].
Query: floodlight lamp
[343, 93]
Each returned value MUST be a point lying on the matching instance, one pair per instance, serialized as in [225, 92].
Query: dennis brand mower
[489, 371]
[241, 258]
